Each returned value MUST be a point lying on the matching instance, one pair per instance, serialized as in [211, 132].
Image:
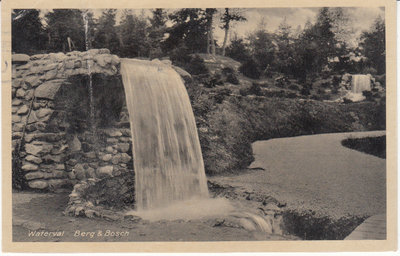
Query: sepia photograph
[198, 124]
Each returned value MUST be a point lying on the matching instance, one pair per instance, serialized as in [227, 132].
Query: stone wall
[50, 157]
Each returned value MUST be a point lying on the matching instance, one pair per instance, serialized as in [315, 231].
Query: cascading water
[87, 45]
[360, 83]
[167, 155]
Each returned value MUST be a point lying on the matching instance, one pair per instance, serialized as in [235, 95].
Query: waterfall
[360, 83]
[167, 155]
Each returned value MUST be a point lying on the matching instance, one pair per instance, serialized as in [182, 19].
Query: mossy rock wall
[41, 142]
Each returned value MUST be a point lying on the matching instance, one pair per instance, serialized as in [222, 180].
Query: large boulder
[20, 58]
[48, 90]
[38, 184]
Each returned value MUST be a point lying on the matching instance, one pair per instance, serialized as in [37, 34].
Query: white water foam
[193, 209]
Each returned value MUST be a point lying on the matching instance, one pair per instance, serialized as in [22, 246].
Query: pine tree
[262, 47]
[27, 32]
[156, 32]
[189, 31]
[373, 45]
[134, 36]
[63, 24]
[106, 32]
[285, 49]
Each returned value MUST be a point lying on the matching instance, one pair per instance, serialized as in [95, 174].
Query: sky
[360, 19]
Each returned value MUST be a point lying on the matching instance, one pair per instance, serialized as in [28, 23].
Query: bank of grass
[308, 226]
[228, 123]
[371, 145]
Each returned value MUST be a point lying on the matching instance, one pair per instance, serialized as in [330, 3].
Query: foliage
[250, 69]
[156, 33]
[228, 124]
[230, 15]
[106, 35]
[189, 30]
[238, 50]
[371, 145]
[262, 49]
[230, 75]
[63, 24]
[134, 36]
[27, 31]
[195, 66]
[285, 51]
[373, 45]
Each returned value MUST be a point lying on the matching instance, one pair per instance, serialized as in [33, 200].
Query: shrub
[243, 91]
[326, 84]
[226, 130]
[212, 81]
[180, 56]
[371, 145]
[196, 66]
[369, 70]
[294, 87]
[250, 69]
[232, 78]
[221, 94]
[18, 175]
[255, 89]
[230, 75]
[227, 147]
[305, 91]
[336, 84]
[381, 79]
[368, 95]
[227, 70]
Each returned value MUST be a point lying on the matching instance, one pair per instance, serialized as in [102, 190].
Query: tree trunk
[225, 39]
[212, 41]
[210, 36]
[208, 42]
[69, 43]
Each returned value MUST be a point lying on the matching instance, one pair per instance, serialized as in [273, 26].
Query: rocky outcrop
[36, 82]
[95, 197]
[47, 99]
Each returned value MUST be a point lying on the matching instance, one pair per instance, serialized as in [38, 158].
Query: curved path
[317, 173]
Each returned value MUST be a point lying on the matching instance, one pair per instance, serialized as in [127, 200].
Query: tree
[285, 50]
[106, 32]
[134, 36]
[156, 32]
[209, 14]
[238, 50]
[315, 46]
[229, 16]
[189, 31]
[262, 47]
[373, 45]
[27, 31]
[63, 24]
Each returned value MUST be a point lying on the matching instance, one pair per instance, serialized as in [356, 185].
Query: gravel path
[317, 173]
[35, 212]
